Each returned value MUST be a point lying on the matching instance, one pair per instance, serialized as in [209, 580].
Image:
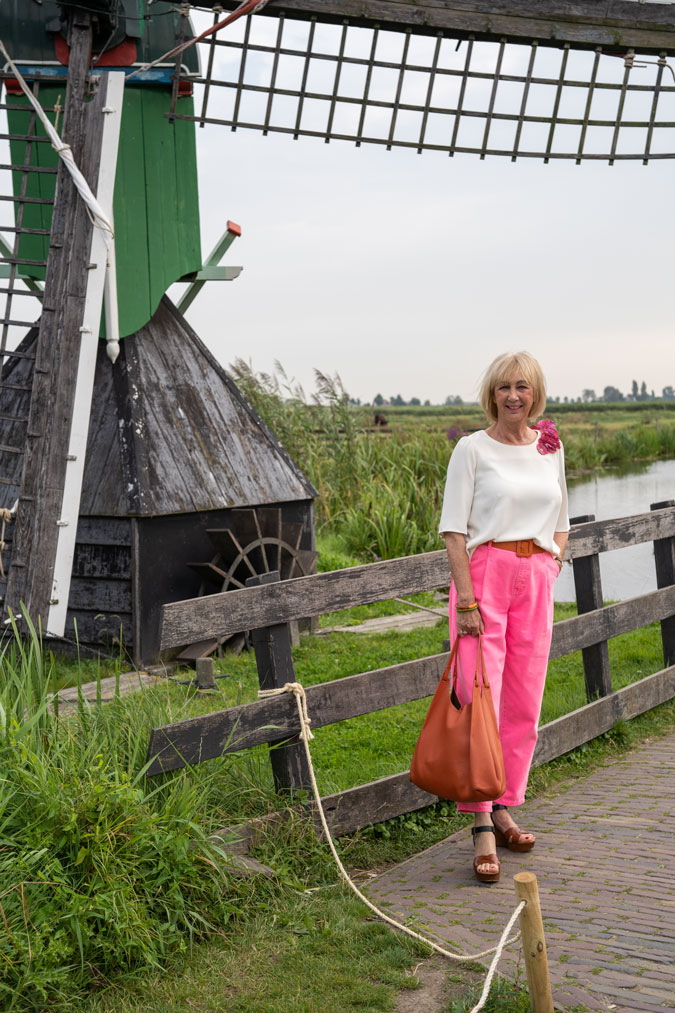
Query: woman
[505, 526]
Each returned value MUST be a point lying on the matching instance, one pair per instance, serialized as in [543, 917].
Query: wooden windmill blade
[53, 461]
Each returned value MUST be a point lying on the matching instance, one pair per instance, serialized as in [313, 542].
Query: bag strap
[451, 660]
[481, 673]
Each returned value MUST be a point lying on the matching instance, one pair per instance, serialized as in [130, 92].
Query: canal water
[627, 572]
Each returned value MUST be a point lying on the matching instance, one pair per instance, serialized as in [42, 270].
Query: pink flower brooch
[548, 441]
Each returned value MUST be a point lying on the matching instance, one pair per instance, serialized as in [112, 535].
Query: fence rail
[270, 605]
[222, 614]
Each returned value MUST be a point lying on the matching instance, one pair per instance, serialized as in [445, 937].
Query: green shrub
[101, 871]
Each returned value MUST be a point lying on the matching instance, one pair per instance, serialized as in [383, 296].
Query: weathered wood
[111, 562]
[223, 614]
[104, 531]
[586, 723]
[534, 943]
[57, 354]
[205, 676]
[664, 559]
[100, 628]
[582, 631]
[588, 588]
[274, 660]
[195, 444]
[586, 24]
[617, 533]
[203, 738]
[103, 595]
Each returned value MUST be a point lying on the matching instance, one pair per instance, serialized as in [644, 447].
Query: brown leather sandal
[509, 838]
[485, 877]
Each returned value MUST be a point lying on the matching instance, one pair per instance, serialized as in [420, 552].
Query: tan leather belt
[523, 548]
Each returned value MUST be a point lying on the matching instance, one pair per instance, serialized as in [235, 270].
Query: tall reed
[380, 494]
[101, 871]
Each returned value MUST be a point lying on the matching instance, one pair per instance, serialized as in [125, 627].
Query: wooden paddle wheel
[255, 541]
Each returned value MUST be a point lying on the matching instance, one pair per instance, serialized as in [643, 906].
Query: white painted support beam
[89, 338]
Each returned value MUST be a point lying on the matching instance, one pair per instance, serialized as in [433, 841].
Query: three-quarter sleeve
[563, 522]
[459, 489]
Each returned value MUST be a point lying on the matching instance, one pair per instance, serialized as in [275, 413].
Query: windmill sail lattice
[446, 90]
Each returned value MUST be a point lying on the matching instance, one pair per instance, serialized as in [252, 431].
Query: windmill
[122, 473]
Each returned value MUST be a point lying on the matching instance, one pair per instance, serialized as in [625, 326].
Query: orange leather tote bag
[458, 754]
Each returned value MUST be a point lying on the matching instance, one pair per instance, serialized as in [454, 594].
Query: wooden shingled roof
[189, 441]
[169, 432]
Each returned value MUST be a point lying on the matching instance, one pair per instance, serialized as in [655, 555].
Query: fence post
[588, 589]
[534, 943]
[274, 660]
[664, 559]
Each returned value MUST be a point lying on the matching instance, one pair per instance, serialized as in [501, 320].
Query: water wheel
[253, 542]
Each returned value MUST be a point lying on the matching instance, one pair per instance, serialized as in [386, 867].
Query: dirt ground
[440, 984]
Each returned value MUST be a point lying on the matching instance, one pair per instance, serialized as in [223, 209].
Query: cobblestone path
[606, 875]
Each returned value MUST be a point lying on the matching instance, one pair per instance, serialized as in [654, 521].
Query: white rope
[438, 612]
[298, 691]
[495, 960]
[98, 215]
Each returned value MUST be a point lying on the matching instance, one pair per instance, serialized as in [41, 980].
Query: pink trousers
[515, 595]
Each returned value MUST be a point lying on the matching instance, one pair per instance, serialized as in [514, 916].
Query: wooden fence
[268, 606]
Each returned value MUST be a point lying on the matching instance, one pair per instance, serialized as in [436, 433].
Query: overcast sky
[408, 273]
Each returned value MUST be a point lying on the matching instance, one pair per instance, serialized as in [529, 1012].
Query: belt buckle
[524, 549]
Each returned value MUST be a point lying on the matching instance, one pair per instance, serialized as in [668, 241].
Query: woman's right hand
[470, 624]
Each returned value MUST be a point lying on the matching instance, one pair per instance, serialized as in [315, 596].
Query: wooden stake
[534, 944]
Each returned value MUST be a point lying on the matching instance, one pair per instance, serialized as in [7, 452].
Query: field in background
[380, 489]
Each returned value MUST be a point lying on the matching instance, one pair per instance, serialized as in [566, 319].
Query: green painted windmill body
[156, 206]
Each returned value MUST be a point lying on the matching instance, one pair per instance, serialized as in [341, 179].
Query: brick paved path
[606, 875]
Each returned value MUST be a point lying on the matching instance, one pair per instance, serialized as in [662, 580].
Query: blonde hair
[503, 369]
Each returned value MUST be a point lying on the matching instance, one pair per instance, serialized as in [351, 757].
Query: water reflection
[620, 492]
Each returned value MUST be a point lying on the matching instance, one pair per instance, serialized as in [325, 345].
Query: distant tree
[453, 399]
[427, 403]
[643, 391]
[588, 394]
[653, 396]
[612, 394]
[566, 399]
[668, 393]
[356, 401]
[415, 401]
[398, 400]
[634, 390]
[378, 400]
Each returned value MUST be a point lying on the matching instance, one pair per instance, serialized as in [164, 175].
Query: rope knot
[298, 691]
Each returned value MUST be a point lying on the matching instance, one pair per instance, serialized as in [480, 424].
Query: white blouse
[502, 492]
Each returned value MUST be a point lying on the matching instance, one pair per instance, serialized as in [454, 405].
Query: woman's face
[514, 399]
